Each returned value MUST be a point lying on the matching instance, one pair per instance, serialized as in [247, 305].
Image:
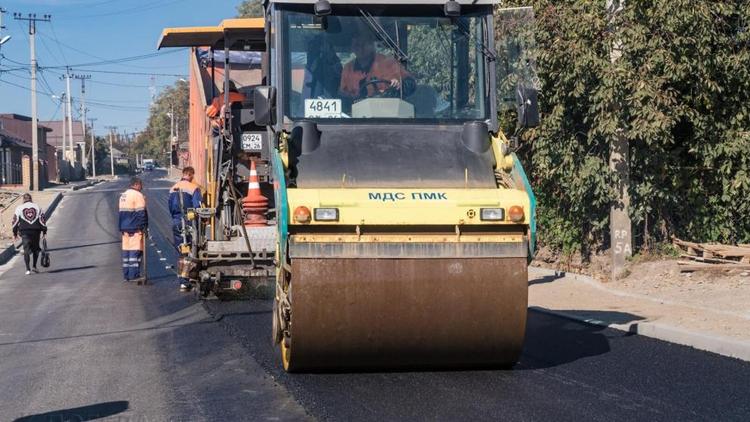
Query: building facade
[15, 143]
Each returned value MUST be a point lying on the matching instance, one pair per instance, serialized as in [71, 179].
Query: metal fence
[10, 173]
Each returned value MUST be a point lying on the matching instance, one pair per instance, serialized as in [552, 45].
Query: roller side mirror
[528, 106]
[264, 100]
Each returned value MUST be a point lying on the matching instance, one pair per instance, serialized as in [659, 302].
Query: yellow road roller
[403, 221]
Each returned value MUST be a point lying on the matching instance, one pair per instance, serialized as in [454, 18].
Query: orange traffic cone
[254, 205]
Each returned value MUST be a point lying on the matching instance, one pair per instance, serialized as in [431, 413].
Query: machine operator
[368, 65]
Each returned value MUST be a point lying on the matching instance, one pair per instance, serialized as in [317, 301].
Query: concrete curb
[724, 346]
[10, 251]
[52, 206]
[76, 186]
[7, 253]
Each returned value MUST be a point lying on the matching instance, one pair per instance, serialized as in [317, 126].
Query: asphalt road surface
[76, 343]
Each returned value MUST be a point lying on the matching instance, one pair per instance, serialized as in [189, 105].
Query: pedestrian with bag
[29, 224]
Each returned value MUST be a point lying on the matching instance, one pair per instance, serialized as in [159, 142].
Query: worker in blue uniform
[183, 195]
[133, 223]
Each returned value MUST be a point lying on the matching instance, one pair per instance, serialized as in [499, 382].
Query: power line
[57, 40]
[57, 110]
[118, 107]
[25, 65]
[107, 61]
[118, 101]
[45, 83]
[122, 59]
[103, 59]
[132, 10]
[46, 47]
[126, 85]
[173, 75]
[87, 6]
[51, 95]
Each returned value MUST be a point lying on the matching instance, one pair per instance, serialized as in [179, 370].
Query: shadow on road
[83, 246]
[83, 413]
[552, 341]
[547, 278]
[64, 270]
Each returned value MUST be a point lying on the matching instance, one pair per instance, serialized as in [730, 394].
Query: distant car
[148, 167]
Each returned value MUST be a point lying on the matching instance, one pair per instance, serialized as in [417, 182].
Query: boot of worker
[185, 285]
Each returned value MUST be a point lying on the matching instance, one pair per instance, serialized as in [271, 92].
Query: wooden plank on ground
[709, 260]
[686, 266]
[727, 250]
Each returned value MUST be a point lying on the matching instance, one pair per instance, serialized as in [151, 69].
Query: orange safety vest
[383, 67]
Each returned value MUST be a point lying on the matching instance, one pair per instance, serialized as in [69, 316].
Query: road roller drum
[405, 313]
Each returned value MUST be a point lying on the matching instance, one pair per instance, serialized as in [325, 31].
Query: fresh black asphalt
[77, 341]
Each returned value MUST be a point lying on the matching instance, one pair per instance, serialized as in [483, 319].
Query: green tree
[680, 94]
[154, 141]
[250, 9]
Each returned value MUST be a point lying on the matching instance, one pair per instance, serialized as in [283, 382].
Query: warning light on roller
[515, 213]
[302, 215]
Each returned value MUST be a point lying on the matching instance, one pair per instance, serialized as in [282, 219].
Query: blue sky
[86, 31]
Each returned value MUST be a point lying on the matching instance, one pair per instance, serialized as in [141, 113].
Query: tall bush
[679, 94]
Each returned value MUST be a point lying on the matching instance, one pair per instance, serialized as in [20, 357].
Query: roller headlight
[326, 214]
[492, 214]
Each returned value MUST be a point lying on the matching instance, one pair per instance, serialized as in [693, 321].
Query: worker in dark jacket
[133, 226]
[184, 194]
[29, 224]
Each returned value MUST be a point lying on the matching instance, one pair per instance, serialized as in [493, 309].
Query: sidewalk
[706, 311]
[72, 186]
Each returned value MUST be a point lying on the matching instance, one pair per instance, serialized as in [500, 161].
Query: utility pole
[93, 149]
[171, 139]
[620, 226]
[3, 40]
[33, 19]
[64, 102]
[176, 144]
[112, 130]
[83, 78]
[71, 143]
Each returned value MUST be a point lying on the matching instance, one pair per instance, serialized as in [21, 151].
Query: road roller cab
[405, 220]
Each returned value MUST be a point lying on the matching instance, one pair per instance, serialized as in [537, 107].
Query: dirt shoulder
[705, 303]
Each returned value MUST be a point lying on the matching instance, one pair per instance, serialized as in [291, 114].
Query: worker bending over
[29, 224]
[215, 111]
[133, 226]
[184, 195]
